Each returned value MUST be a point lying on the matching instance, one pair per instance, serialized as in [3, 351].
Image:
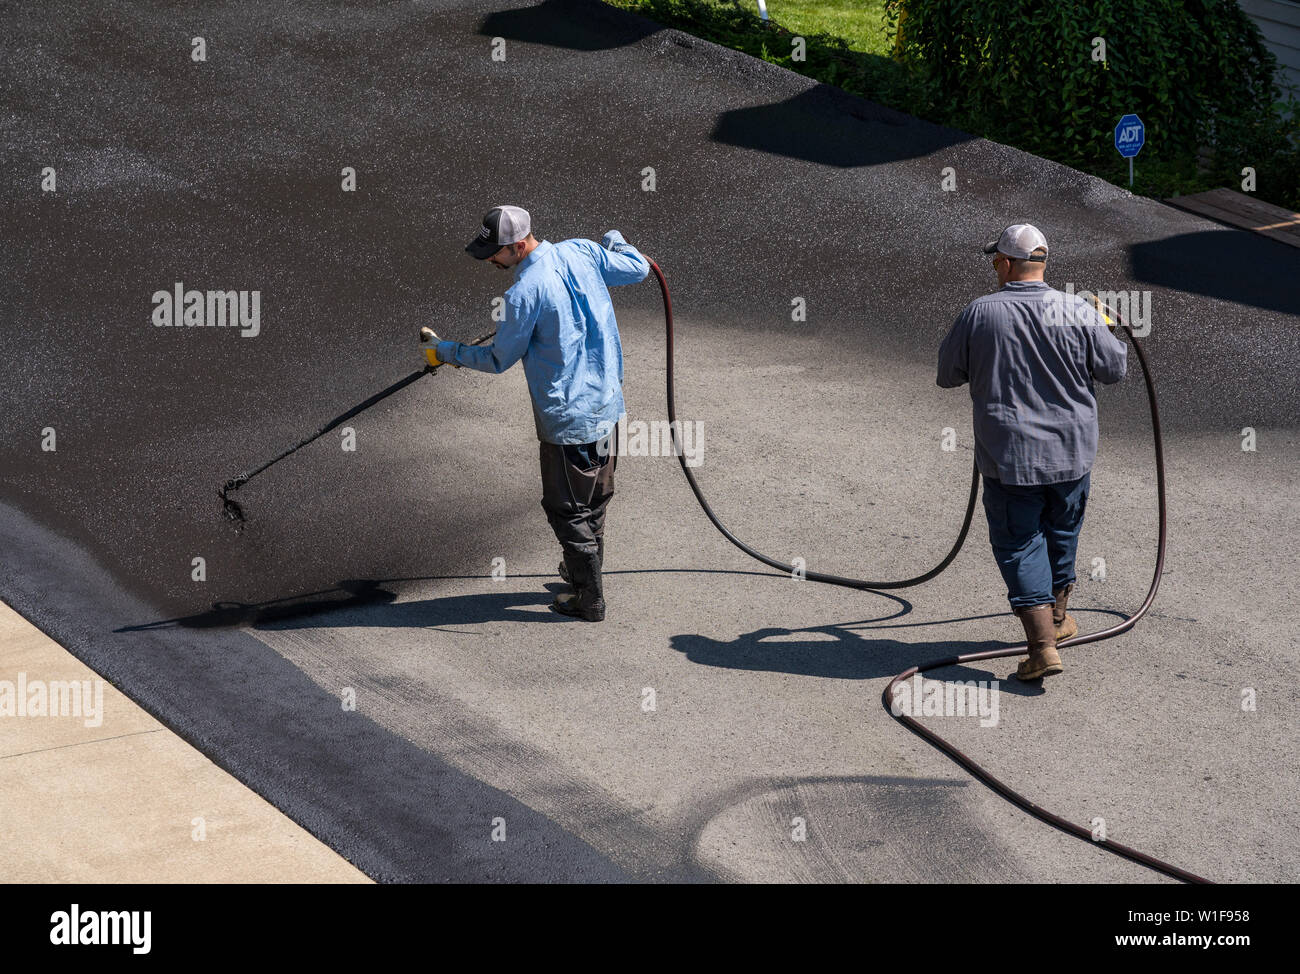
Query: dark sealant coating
[226, 174]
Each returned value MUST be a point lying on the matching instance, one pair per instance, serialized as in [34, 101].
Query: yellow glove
[429, 338]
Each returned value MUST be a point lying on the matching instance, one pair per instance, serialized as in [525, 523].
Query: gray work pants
[577, 484]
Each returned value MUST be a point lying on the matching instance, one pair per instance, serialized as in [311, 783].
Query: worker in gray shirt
[1031, 354]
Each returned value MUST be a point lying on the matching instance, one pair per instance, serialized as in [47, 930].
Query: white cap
[1019, 240]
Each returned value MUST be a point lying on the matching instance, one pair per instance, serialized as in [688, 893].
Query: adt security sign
[1130, 136]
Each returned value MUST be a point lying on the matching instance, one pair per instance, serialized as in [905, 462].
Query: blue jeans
[1035, 534]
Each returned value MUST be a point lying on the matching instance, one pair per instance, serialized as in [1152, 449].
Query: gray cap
[1019, 240]
[502, 225]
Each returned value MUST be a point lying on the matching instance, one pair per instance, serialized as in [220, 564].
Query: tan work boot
[1065, 624]
[1040, 633]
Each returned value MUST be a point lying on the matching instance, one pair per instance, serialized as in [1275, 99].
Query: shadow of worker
[833, 652]
[449, 612]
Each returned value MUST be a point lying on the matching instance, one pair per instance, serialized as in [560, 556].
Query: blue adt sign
[1130, 136]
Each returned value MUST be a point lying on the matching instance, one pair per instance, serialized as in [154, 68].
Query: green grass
[860, 22]
[846, 43]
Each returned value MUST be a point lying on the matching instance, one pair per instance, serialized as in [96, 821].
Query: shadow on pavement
[838, 652]
[356, 593]
[446, 612]
[840, 655]
[824, 125]
[1231, 265]
[578, 25]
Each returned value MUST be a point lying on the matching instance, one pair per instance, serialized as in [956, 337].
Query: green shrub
[1023, 72]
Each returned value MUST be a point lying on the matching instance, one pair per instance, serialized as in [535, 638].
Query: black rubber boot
[588, 600]
[564, 569]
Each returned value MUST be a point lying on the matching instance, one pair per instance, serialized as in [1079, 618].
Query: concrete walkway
[94, 790]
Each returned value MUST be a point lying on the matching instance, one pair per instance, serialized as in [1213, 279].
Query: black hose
[912, 724]
[754, 552]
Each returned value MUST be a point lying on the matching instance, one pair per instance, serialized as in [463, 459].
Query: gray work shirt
[1030, 354]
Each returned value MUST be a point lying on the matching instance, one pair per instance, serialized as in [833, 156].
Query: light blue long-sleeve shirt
[560, 322]
[1030, 354]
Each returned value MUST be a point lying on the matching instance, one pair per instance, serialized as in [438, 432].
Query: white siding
[1279, 22]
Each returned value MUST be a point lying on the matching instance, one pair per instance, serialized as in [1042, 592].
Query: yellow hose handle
[1096, 303]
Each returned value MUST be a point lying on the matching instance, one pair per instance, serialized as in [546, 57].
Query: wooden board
[1246, 212]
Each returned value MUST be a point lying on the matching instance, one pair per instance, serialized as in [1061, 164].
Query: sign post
[1130, 136]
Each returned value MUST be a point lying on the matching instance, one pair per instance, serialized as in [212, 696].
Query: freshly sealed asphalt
[368, 570]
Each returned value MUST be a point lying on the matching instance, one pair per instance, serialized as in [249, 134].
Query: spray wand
[428, 339]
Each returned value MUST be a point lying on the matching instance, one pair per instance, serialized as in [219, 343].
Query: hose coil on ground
[911, 723]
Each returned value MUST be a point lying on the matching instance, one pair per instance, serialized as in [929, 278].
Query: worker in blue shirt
[559, 321]
[1031, 355]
